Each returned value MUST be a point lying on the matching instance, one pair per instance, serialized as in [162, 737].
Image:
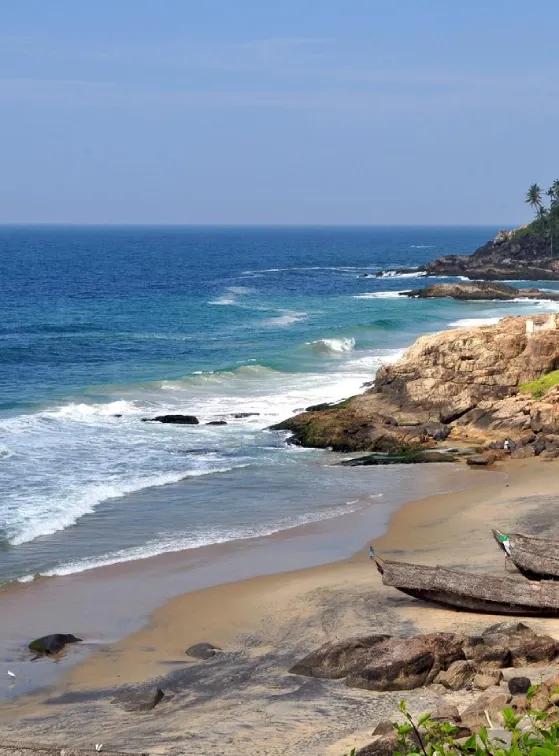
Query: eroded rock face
[465, 381]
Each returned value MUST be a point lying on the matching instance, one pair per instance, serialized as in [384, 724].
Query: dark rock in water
[217, 422]
[395, 272]
[240, 415]
[336, 659]
[49, 645]
[406, 458]
[318, 407]
[519, 685]
[117, 415]
[202, 651]
[176, 419]
[138, 699]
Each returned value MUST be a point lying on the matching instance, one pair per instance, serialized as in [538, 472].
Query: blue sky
[361, 112]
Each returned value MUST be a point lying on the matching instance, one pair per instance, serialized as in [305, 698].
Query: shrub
[427, 738]
[541, 385]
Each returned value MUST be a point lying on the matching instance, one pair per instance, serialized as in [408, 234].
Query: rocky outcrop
[466, 382]
[522, 254]
[479, 290]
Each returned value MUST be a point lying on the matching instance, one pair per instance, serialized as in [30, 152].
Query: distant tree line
[547, 217]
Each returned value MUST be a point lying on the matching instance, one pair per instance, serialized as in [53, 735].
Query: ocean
[102, 327]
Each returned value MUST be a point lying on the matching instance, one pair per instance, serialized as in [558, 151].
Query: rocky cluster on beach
[467, 384]
[451, 661]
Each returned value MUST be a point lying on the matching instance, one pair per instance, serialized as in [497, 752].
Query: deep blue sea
[101, 327]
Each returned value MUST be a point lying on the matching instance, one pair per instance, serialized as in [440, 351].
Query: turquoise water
[100, 327]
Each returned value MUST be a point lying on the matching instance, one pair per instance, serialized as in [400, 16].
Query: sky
[299, 112]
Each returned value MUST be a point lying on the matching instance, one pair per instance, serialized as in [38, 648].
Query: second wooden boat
[464, 591]
[536, 558]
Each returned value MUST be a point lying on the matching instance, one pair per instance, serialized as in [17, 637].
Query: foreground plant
[424, 737]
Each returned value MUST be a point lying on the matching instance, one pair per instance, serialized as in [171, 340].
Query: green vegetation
[539, 736]
[547, 218]
[541, 385]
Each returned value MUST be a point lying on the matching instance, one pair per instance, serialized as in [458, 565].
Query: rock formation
[479, 290]
[466, 382]
[521, 254]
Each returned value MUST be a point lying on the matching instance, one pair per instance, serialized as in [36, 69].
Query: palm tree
[534, 199]
[553, 194]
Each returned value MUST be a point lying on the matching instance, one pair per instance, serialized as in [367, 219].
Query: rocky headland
[522, 254]
[478, 385]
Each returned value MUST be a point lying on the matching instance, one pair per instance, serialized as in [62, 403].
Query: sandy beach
[243, 700]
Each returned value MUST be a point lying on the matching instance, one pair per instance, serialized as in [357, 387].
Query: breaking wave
[332, 346]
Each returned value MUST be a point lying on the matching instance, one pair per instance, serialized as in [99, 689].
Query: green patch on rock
[541, 385]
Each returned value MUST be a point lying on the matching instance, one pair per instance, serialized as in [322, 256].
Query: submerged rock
[176, 419]
[240, 415]
[48, 645]
[217, 422]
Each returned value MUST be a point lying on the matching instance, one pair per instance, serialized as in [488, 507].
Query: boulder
[459, 675]
[384, 727]
[404, 664]
[486, 656]
[240, 415]
[49, 645]
[138, 699]
[385, 746]
[481, 460]
[486, 679]
[202, 651]
[446, 713]
[174, 419]
[217, 422]
[336, 659]
[519, 685]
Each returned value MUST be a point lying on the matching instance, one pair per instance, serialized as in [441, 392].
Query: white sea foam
[469, 322]
[284, 319]
[168, 543]
[231, 295]
[77, 456]
[332, 346]
[380, 295]
[394, 274]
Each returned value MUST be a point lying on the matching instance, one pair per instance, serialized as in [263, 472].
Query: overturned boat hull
[463, 591]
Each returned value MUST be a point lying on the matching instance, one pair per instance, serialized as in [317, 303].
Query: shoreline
[105, 604]
[264, 623]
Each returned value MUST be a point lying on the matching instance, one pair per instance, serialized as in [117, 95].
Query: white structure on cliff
[549, 324]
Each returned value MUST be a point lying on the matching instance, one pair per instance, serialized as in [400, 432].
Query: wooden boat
[536, 558]
[465, 591]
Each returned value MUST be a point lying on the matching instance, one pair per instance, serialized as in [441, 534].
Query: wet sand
[243, 700]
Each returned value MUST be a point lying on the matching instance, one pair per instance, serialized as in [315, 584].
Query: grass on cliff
[541, 385]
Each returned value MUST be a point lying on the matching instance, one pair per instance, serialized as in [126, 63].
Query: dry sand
[243, 701]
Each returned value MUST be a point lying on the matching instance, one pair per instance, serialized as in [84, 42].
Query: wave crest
[332, 346]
